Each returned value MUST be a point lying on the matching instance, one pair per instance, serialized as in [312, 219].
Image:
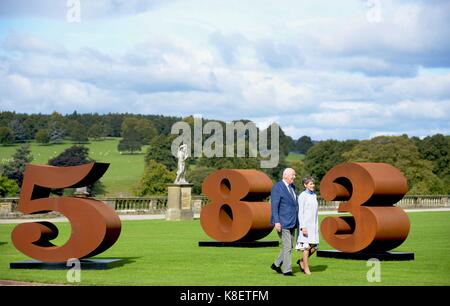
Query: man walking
[285, 219]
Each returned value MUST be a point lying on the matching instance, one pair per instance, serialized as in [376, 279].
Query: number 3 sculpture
[370, 190]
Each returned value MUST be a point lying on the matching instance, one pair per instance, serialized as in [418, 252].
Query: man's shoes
[275, 268]
[288, 273]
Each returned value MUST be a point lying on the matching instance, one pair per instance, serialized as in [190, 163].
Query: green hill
[123, 173]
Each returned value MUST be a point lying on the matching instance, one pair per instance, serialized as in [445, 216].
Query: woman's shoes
[299, 263]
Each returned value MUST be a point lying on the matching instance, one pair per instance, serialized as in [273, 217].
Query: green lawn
[124, 170]
[161, 252]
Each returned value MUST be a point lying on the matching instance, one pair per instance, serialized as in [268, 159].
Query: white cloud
[385, 133]
[422, 109]
[89, 9]
[326, 75]
[22, 94]
[422, 87]
[265, 122]
[350, 106]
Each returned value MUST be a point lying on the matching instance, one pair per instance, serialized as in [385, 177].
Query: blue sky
[327, 69]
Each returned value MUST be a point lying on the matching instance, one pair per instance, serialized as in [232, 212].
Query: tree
[230, 162]
[56, 128]
[155, 179]
[436, 149]
[6, 136]
[143, 127]
[113, 123]
[16, 167]
[75, 156]
[286, 143]
[8, 188]
[160, 151]
[276, 173]
[131, 141]
[18, 130]
[6, 118]
[303, 144]
[77, 132]
[146, 129]
[96, 131]
[107, 129]
[300, 171]
[197, 176]
[42, 136]
[402, 153]
[324, 155]
[31, 125]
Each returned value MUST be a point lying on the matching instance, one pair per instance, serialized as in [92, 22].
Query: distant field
[166, 253]
[123, 173]
[295, 157]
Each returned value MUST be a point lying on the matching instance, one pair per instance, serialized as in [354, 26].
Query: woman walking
[308, 234]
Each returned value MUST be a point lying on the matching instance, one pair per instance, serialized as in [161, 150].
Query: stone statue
[181, 172]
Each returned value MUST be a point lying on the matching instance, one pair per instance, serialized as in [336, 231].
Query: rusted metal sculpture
[95, 225]
[236, 211]
[370, 190]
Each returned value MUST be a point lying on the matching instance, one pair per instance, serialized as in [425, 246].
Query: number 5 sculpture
[95, 225]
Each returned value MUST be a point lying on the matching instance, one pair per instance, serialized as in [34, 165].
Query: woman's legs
[304, 266]
[304, 262]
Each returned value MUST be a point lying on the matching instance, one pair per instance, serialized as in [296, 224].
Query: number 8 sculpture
[237, 210]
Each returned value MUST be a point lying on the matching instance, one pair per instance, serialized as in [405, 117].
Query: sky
[326, 69]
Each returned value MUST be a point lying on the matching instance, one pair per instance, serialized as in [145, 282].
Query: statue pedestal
[179, 202]
[81, 192]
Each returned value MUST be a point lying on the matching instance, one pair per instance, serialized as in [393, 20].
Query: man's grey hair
[287, 171]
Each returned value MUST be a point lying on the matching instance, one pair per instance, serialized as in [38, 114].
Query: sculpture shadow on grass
[123, 262]
[318, 268]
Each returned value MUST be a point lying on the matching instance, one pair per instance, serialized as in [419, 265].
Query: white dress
[308, 217]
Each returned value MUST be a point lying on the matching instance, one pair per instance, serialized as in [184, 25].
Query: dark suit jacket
[284, 207]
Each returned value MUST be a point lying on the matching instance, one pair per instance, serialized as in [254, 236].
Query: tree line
[79, 128]
[424, 162]
[135, 131]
